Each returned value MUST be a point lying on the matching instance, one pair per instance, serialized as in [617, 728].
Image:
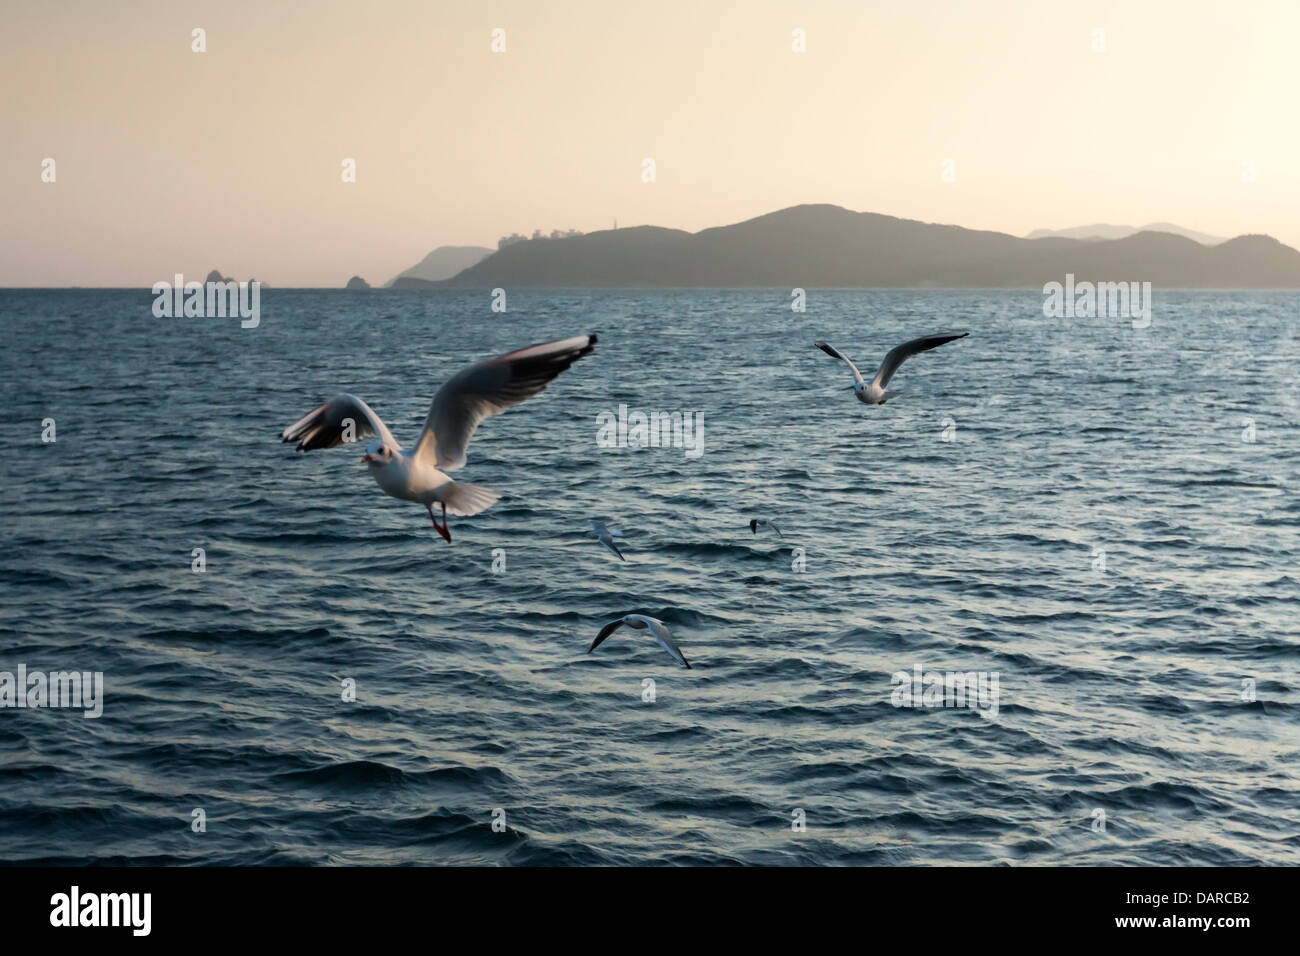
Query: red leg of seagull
[441, 529]
[444, 530]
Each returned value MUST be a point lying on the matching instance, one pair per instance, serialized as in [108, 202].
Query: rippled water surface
[1072, 443]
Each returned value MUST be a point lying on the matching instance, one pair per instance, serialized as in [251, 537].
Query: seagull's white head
[377, 454]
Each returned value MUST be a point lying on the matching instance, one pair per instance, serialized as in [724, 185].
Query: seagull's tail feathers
[892, 393]
[466, 499]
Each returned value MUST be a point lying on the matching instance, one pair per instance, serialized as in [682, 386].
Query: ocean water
[1101, 517]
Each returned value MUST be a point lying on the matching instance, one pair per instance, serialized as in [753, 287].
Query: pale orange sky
[173, 161]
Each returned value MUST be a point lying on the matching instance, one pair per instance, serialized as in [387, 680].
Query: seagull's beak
[366, 458]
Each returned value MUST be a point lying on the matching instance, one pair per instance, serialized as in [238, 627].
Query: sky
[168, 160]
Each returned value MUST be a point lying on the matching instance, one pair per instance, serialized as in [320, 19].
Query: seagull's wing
[836, 353]
[772, 525]
[605, 631]
[489, 388]
[753, 525]
[599, 527]
[610, 546]
[660, 630]
[901, 353]
[325, 427]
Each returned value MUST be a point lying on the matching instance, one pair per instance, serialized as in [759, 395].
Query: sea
[1042, 608]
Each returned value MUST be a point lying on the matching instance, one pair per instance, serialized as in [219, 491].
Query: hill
[827, 246]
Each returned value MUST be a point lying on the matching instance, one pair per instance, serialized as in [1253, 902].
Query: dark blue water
[1121, 690]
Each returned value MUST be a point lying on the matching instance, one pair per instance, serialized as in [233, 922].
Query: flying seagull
[606, 537]
[471, 395]
[874, 393]
[640, 622]
[756, 523]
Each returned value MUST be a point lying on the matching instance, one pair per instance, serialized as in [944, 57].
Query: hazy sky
[173, 161]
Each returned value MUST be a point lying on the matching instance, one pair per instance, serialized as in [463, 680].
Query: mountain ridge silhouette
[827, 246]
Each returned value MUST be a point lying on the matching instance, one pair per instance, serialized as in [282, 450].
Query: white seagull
[606, 536]
[756, 523]
[471, 395]
[874, 393]
[640, 622]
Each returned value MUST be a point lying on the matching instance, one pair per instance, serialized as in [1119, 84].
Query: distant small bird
[875, 394]
[464, 400]
[641, 622]
[756, 523]
[606, 536]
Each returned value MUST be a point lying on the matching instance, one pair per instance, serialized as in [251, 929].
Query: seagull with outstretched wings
[874, 392]
[643, 622]
[474, 393]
